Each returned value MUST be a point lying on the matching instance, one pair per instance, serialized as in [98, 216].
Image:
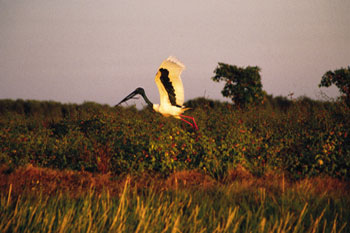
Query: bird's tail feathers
[185, 109]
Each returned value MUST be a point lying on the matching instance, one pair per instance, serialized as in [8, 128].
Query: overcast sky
[82, 50]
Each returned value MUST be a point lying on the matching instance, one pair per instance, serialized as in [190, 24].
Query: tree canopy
[340, 78]
[242, 85]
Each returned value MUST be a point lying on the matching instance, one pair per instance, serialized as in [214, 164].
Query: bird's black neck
[149, 103]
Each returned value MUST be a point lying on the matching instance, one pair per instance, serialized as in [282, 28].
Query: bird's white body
[169, 110]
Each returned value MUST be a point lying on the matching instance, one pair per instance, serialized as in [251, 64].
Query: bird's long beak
[130, 96]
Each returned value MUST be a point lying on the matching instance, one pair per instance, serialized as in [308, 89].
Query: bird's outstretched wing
[169, 82]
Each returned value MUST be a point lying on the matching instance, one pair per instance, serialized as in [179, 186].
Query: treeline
[49, 109]
[56, 111]
[63, 110]
[278, 103]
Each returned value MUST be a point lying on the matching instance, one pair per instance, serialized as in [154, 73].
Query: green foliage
[306, 138]
[340, 78]
[242, 85]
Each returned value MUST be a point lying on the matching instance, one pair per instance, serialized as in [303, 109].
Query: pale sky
[87, 50]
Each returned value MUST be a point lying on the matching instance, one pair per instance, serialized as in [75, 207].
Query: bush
[307, 138]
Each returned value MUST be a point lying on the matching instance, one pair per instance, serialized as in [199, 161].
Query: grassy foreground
[187, 201]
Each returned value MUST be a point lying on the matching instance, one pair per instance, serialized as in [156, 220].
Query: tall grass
[223, 209]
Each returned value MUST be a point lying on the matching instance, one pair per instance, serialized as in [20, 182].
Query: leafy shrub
[307, 138]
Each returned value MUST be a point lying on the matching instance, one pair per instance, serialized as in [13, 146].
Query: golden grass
[40, 199]
[30, 179]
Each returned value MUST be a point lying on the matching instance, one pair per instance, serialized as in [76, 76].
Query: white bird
[171, 91]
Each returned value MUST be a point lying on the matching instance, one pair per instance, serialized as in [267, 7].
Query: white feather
[176, 61]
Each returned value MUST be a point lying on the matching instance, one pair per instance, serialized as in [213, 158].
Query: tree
[243, 85]
[340, 78]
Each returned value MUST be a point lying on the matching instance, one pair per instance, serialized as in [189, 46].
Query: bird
[171, 91]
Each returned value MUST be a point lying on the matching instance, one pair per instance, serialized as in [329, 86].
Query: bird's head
[140, 91]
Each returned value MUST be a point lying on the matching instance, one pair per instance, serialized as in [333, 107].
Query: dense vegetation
[302, 138]
[93, 168]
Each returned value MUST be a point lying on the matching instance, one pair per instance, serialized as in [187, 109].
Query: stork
[171, 91]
